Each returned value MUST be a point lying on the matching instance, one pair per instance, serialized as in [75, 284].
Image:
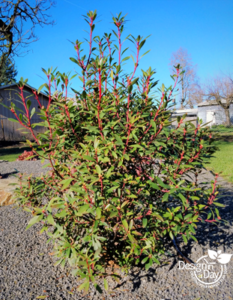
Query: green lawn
[11, 154]
[223, 160]
[222, 129]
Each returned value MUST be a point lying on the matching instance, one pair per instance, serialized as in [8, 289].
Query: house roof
[181, 112]
[211, 102]
[26, 85]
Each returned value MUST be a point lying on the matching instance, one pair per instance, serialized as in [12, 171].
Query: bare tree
[14, 15]
[220, 89]
[188, 80]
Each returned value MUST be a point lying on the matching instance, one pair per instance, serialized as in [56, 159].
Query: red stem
[100, 96]
[91, 23]
[137, 60]
[119, 40]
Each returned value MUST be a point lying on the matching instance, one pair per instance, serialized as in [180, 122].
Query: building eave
[26, 85]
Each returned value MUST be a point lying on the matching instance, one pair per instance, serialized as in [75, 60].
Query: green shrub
[120, 182]
[222, 128]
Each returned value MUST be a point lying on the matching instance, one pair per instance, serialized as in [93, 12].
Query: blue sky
[203, 27]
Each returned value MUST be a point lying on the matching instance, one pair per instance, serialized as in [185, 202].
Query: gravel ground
[27, 271]
[9, 169]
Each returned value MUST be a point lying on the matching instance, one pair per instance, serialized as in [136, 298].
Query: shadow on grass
[11, 154]
[224, 138]
[11, 151]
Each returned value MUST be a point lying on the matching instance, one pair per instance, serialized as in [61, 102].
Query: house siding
[220, 116]
[12, 131]
[192, 119]
[191, 116]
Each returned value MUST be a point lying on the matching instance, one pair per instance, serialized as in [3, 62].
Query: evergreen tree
[7, 72]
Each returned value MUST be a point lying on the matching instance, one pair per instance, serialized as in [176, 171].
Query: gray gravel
[27, 271]
[9, 169]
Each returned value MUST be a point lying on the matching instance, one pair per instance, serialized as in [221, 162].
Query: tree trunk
[182, 103]
[182, 90]
[228, 120]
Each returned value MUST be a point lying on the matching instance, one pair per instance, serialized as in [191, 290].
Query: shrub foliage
[27, 155]
[122, 178]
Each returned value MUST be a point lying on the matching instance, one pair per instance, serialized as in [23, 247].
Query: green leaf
[158, 216]
[154, 185]
[217, 212]
[41, 87]
[125, 224]
[50, 220]
[156, 260]
[62, 214]
[119, 140]
[73, 76]
[112, 189]
[27, 209]
[74, 60]
[165, 197]
[136, 233]
[58, 262]
[176, 209]
[160, 182]
[108, 174]
[132, 196]
[13, 120]
[149, 264]
[209, 215]
[188, 216]
[87, 157]
[112, 75]
[98, 212]
[43, 229]
[21, 117]
[193, 237]
[105, 284]
[163, 88]
[34, 220]
[42, 70]
[192, 229]
[98, 169]
[183, 199]
[66, 182]
[219, 204]
[145, 260]
[32, 112]
[126, 58]
[145, 53]
[113, 214]
[82, 209]
[144, 222]
[84, 285]
[184, 238]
